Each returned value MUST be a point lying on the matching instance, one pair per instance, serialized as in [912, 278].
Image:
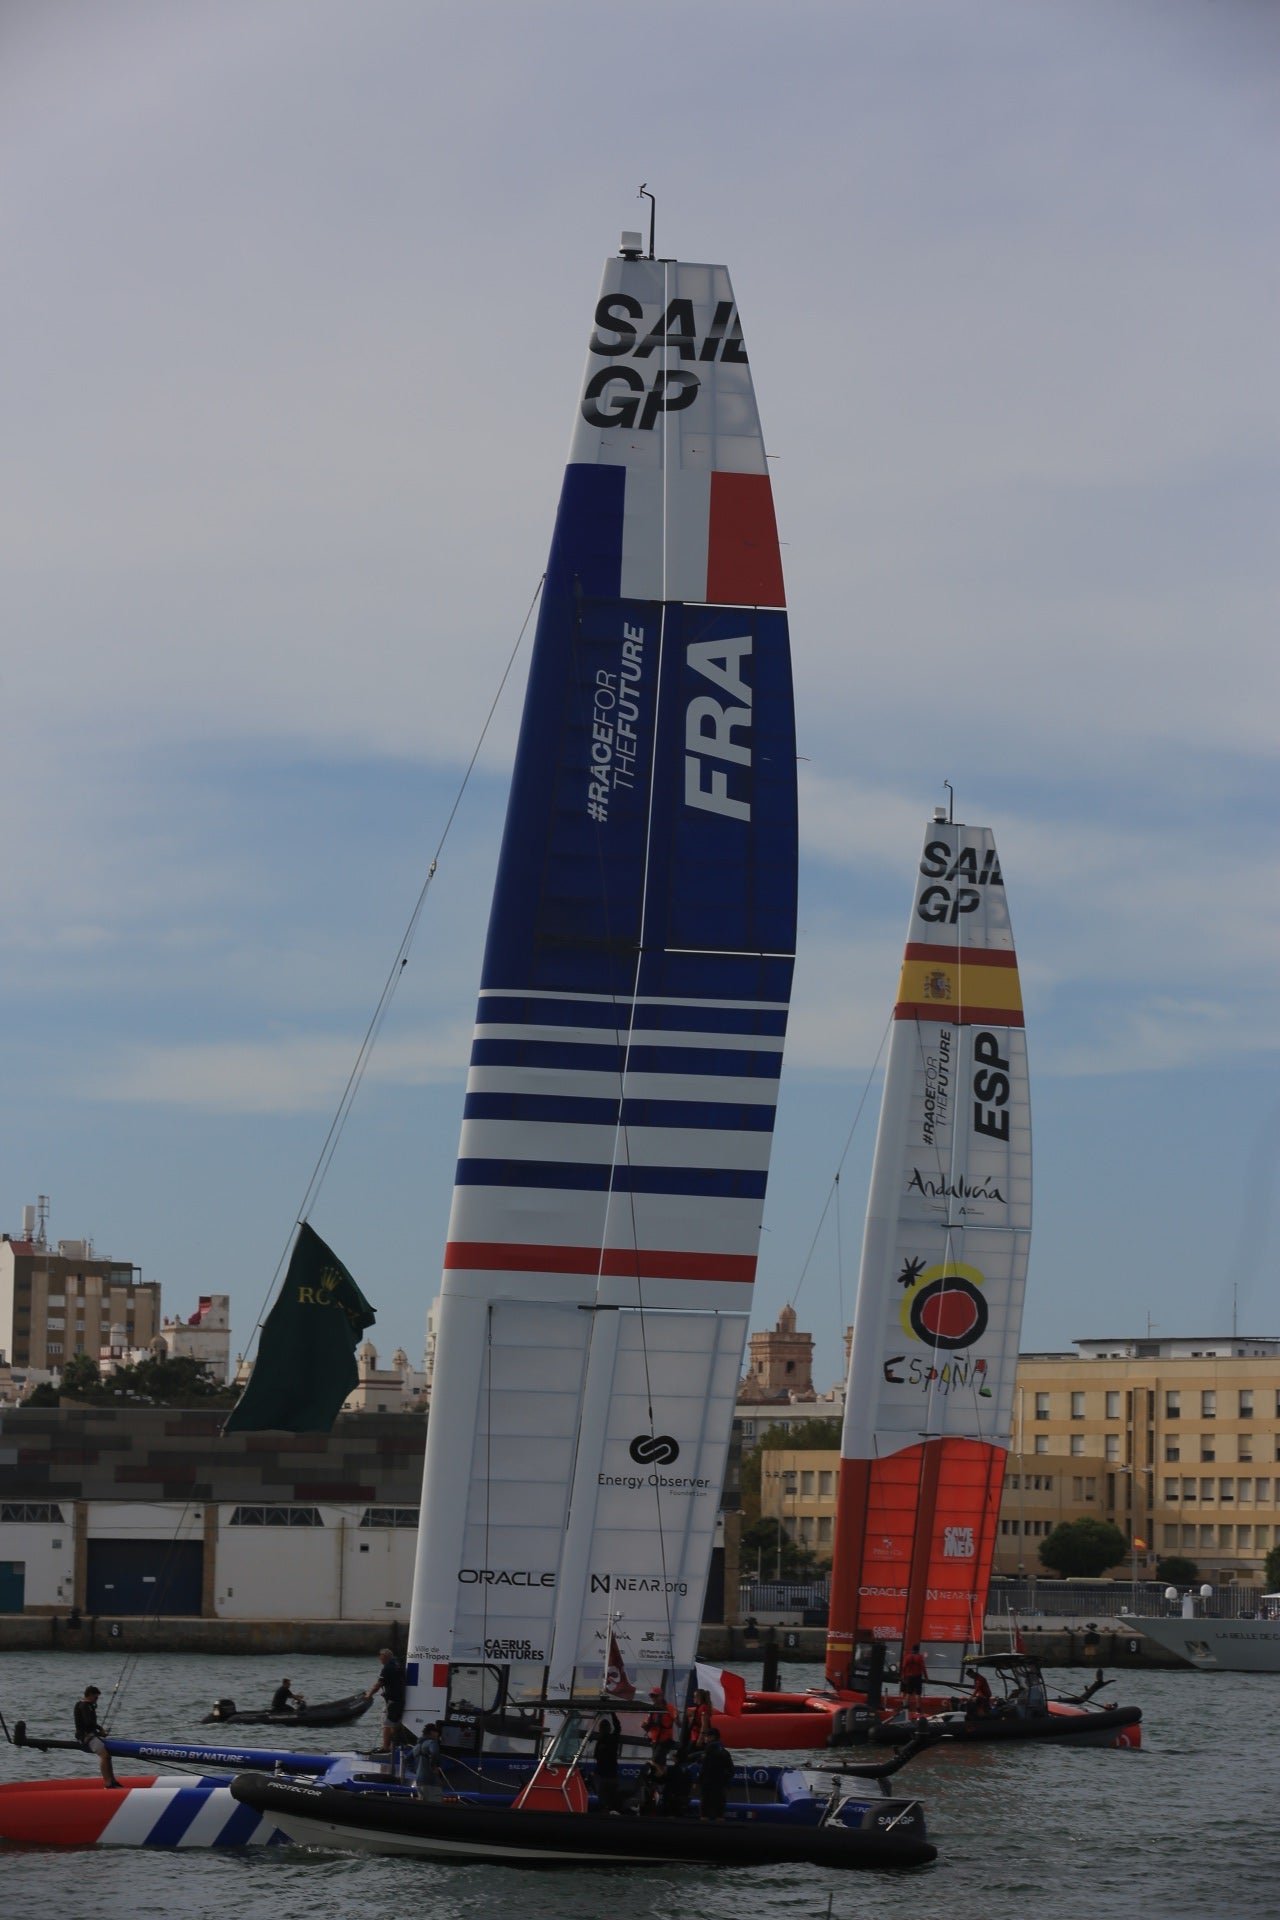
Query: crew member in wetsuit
[979, 1707]
[390, 1684]
[92, 1737]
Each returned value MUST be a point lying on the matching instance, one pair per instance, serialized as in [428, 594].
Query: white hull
[1219, 1646]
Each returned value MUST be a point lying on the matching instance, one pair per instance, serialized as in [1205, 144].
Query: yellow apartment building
[1177, 1441]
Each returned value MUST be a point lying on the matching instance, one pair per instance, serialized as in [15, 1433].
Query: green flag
[306, 1363]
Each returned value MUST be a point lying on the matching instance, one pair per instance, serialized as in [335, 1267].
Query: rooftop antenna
[951, 803]
[644, 194]
[42, 1230]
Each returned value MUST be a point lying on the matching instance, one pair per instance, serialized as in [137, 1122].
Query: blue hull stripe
[575, 1176]
[558, 1109]
[744, 1062]
[181, 1811]
[503, 1009]
[240, 1828]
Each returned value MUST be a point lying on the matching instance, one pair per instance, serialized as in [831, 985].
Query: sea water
[1185, 1829]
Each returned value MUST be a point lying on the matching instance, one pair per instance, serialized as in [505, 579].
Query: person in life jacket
[660, 1722]
[912, 1676]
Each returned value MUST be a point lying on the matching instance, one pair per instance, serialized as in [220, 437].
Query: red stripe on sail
[744, 567]
[497, 1256]
[961, 956]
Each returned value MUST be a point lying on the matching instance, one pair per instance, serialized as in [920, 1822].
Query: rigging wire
[398, 965]
[833, 1192]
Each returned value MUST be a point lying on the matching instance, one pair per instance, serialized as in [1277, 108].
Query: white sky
[296, 299]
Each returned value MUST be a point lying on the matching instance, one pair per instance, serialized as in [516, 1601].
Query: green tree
[80, 1378]
[1271, 1571]
[169, 1381]
[1178, 1571]
[1082, 1549]
[760, 1549]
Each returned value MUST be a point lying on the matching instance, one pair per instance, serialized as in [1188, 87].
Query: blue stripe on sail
[586, 547]
[557, 1109]
[521, 1010]
[583, 1057]
[580, 1177]
[186, 1805]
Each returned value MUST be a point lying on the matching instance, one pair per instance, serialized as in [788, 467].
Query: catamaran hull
[179, 1811]
[332, 1818]
[1070, 1726]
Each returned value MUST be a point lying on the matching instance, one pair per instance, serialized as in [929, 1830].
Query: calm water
[1183, 1830]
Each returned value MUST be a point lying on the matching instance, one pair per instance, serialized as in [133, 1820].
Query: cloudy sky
[296, 299]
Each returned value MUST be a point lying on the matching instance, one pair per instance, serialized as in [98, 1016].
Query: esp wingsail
[628, 1041]
[944, 1261]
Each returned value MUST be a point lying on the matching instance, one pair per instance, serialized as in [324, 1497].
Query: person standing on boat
[653, 1781]
[660, 1722]
[715, 1772]
[283, 1694]
[608, 1749]
[697, 1723]
[390, 1684]
[92, 1737]
[912, 1677]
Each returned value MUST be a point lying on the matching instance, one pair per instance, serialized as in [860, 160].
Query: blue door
[144, 1576]
[13, 1585]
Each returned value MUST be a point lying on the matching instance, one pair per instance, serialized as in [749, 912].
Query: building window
[1206, 1489]
[16, 1511]
[1226, 1489]
[1244, 1538]
[389, 1517]
[1245, 1489]
[276, 1517]
[806, 1483]
[825, 1483]
[1172, 1405]
[748, 1429]
[1170, 1536]
[1245, 1450]
[1077, 1443]
[1172, 1451]
[1170, 1489]
[1264, 1493]
[824, 1530]
[1042, 1405]
[1113, 1404]
[1042, 1443]
[1077, 1406]
[1246, 1403]
[1206, 1447]
[1113, 1446]
[1188, 1489]
[1208, 1404]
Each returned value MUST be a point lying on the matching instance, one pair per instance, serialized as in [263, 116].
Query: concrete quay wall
[719, 1645]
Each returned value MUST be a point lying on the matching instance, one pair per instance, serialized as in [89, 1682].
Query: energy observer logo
[654, 1450]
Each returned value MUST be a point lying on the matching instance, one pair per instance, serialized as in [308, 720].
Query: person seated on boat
[390, 1684]
[424, 1754]
[660, 1722]
[608, 1747]
[715, 1774]
[1037, 1694]
[653, 1781]
[283, 1694]
[979, 1707]
[912, 1676]
[92, 1737]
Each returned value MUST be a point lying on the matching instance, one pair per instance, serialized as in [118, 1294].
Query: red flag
[728, 1691]
[616, 1683]
[1019, 1644]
